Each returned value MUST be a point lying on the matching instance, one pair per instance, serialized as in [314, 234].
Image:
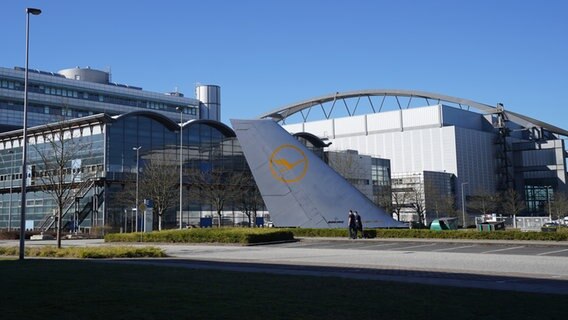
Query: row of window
[63, 92]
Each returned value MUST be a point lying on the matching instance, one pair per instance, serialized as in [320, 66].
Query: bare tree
[399, 201]
[417, 199]
[59, 170]
[512, 203]
[439, 201]
[248, 199]
[159, 183]
[483, 202]
[217, 187]
[558, 205]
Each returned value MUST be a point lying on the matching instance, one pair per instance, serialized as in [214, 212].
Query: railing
[49, 220]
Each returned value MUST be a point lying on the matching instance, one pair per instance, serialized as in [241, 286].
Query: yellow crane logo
[288, 163]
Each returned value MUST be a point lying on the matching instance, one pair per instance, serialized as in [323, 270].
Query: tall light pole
[549, 208]
[463, 205]
[180, 109]
[137, 149]
[11, 182]
[35, 12]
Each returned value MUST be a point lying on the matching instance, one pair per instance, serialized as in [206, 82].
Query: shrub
[430, 234]
[86, 252]
[209, 235]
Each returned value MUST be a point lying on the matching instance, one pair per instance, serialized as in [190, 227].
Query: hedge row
[205, 235]
[86, 252]
[430, 234]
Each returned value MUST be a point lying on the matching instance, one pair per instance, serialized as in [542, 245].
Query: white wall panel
[322, 129]
[294, 128]
[421, 117]
[383, 121]
[350, 125]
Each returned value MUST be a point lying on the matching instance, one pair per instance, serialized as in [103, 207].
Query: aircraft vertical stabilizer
[298, 188]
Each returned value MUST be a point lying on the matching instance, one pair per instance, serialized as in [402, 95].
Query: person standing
[352, 224]
[358, 225]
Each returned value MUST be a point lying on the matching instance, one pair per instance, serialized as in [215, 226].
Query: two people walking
[355, 225]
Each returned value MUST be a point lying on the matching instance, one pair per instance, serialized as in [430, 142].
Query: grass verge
[206, 235]
[63, 289]
[86, 252]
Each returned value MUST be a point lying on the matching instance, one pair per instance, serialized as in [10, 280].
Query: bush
[430, 234]
[86, 252]
[209, 235]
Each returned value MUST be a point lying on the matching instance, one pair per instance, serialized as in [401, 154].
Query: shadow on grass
[141, 289]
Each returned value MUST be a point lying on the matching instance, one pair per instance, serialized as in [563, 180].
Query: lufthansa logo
[288, 163]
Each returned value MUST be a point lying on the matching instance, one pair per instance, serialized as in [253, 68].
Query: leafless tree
[59, 170]
[248, 199]
[558, 205]
[399, 201]
[512, 203]
[439, 201]
[418, 201]
[483, 202]
[159, 183]
[217, 187]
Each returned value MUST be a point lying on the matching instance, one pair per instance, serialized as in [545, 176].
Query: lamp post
[549, 208]
[35, 12]
[463, 205]
[11, 182]
[180, 109]
[137, 149]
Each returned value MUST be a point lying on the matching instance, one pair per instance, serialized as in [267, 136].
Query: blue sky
[266, 54]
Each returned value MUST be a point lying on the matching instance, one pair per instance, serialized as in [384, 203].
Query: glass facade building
[100, 170]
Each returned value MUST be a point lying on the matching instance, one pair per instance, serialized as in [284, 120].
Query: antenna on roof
[109, 71]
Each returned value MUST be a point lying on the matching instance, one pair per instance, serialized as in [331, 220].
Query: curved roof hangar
[280, 114]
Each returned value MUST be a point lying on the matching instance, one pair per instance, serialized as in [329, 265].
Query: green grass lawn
[73, 289]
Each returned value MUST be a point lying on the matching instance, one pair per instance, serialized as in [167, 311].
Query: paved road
[522, 266]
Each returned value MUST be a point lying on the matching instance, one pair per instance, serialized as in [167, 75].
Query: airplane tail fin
[298, 188]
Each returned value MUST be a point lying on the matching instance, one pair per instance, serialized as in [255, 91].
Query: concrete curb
[430, 240]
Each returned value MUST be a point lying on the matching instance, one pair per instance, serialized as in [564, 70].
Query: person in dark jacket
[358, 225]
[352, 223]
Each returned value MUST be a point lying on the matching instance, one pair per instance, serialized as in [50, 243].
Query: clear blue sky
[266, 54]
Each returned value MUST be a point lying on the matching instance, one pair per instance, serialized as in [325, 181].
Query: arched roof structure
[313, 139]
[174, 126]
[223, 128]
[167, 122]
[280, 114]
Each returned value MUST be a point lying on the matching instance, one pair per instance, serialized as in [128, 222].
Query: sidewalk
[512, 242]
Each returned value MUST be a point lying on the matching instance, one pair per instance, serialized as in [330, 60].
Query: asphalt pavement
[499, 265]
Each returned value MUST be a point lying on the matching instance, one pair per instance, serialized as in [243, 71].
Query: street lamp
[11, 183]
[463, 205]
[549, 208]
[137, 149]
[35, 12]
[180, 109]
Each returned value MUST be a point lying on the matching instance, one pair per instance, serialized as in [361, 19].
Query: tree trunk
[219, 222]
[59, 227]
[159, 222]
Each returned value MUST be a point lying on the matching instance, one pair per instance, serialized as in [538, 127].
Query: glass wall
[209, 148]
[62, 164]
